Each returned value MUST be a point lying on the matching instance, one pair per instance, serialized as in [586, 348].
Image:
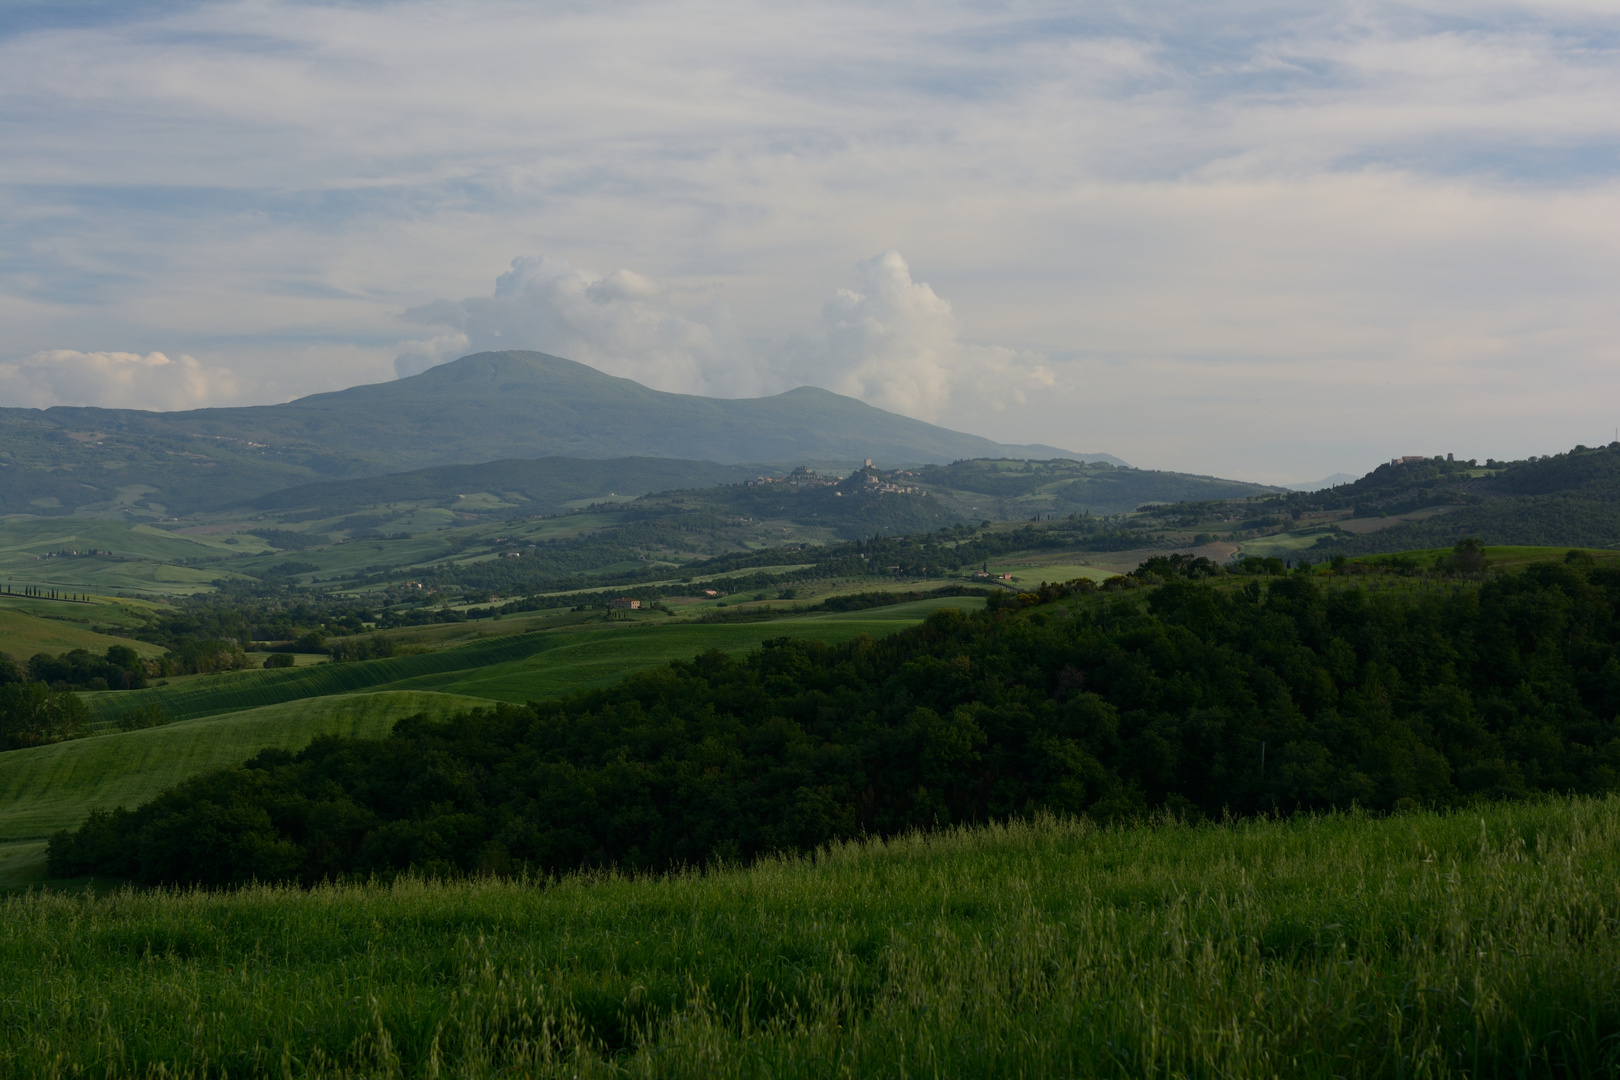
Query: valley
[639, 682]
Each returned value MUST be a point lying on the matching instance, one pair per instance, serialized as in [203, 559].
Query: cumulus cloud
[622, 322]
[888, 340]
[895, 343]
[114, 380]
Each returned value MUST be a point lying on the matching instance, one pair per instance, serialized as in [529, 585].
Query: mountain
[1326, 482]
[481, 407]
[539, 485]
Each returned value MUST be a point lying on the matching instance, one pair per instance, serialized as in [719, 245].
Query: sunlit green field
[144, 559]
[1029, 572]
[52, 787]
[584, 659]
[1484, 943]
[515, 667]
[23, 634]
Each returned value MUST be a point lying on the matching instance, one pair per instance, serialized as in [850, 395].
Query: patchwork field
[515, 667]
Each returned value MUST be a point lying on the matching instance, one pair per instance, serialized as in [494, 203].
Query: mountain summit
[476, 409]
[529, 404]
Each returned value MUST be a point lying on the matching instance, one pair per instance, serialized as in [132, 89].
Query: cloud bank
[118, 380]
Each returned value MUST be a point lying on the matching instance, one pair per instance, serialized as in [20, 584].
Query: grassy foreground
[1478, 944]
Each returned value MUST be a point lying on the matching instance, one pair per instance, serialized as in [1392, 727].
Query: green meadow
[1480, 944]
[46, 788]
[22, 633]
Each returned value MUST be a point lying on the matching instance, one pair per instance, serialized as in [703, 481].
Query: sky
[1271, 241]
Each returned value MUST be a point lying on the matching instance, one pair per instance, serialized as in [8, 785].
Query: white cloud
[895, 343]
[622, 322]
[888, 340]
[114, 380]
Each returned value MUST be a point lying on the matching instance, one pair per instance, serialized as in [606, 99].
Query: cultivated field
[46, 788]
[1479, 943]
[23, 633]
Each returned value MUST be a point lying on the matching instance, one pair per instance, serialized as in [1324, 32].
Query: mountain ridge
[482, 407]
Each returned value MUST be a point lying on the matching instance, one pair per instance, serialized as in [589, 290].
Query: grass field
[1281, 545]
[53, 787]
[23, 634]
[587, 658]
[1472, 944]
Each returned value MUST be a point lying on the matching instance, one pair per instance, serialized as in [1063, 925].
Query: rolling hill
[1566, 500]
[476, 409]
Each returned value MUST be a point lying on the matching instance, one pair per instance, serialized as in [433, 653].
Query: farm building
[624, 603]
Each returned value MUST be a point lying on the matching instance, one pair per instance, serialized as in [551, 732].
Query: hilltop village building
[868, 480]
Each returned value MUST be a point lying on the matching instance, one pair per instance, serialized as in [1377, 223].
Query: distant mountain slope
[481, 407]
[526, 404]
[543, 484]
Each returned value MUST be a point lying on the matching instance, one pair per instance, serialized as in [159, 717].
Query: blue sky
[1256, 239]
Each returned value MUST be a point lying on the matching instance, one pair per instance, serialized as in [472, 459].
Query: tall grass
[1467, 944]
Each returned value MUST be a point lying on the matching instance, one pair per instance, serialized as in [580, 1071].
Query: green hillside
[1529, 521]
[22, 634]
[585, 660]
[537, 485]
[227, 718]
[1016, 488]
[209, 695]
[52, 787]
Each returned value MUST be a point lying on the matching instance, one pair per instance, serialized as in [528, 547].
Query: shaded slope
[547, 483]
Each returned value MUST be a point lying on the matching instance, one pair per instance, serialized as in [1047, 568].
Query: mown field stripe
[46, 788]
[233, 691]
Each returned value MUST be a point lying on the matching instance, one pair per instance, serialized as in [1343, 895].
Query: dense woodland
[32, 712]
[1185, 688]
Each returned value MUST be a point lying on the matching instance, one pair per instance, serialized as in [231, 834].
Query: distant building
[624, 603]
[1006, 577]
